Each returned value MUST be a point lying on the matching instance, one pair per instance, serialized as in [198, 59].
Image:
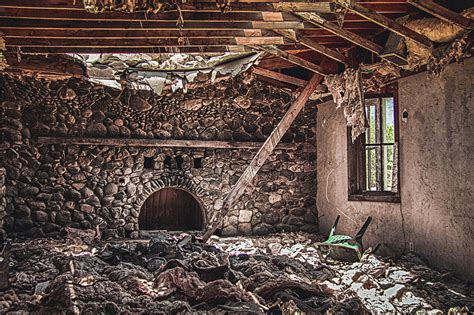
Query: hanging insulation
[346, 90]
[129, 6]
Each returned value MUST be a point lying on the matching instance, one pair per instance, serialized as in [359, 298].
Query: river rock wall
[49, 186]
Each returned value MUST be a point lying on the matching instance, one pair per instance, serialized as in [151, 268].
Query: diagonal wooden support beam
[292, 58]
[442, 13]
[296, 37]
[279, 76]
[263, 154]
[385, 22]
[317, 20]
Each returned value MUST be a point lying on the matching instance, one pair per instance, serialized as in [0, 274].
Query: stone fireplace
[60, 183]
[171, 209]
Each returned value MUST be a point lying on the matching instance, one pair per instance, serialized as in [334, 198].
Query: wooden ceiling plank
[316, 46]
[335, 29]
[279, 76]
[385, 22]
[237, 6]
[16, 23]
[151, 50]
[143, 42]
[221, 33]
[196, 15]
[443, 13]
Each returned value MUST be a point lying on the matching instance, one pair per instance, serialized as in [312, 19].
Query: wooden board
[120, 142]
[171, 209]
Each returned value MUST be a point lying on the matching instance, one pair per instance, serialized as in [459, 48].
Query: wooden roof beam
[335, 29]
[237, 6]
[296, 37]
[442, 13]
[386, 22]
[144, 42]
[279, 76]
[273, 50]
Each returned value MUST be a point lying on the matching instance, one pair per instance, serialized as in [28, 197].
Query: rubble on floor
[175, 273]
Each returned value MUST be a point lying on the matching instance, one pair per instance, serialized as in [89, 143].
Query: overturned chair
[343, 247]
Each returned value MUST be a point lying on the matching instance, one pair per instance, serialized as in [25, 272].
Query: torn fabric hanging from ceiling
[346, 90]
[3, 61]
[158, 72]
[436, 30]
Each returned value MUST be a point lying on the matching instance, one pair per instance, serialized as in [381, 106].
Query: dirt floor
[170, 274]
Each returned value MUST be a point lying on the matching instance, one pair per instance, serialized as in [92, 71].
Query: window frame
[356, 157]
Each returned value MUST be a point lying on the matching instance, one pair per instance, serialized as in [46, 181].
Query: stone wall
[55, 185]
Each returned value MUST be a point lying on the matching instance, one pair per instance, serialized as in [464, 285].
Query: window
[373, 157]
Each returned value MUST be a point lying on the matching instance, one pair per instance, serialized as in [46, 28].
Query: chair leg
[333, 229]
[360, 234]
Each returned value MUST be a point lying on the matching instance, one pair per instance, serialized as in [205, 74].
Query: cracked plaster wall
[436, 165]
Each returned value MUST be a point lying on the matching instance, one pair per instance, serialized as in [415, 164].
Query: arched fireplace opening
[171, 209]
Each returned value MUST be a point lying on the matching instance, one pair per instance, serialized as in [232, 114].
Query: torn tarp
[160, 72]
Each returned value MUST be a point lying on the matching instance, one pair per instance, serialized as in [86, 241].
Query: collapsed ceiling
[156, 71]
[172, 44]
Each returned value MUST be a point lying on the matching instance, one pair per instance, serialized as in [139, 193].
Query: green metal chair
[343, 247]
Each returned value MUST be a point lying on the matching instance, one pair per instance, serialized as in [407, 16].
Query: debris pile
[176, 273]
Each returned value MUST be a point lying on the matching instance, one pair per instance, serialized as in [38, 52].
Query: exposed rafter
[298, 38]
[335, 29]
[442, 13]
[292, 58]
[279, 76]
[237, 6]
[385, 22]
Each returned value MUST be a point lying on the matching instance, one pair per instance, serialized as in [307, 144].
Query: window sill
[391, 198]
